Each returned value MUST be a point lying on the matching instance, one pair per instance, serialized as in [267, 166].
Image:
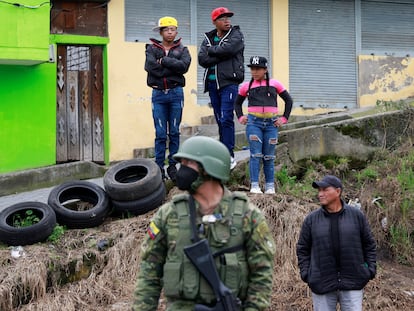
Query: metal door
[322, 54]
[79, 111]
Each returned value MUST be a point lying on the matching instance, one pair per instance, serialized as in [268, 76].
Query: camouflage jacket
[162, 250]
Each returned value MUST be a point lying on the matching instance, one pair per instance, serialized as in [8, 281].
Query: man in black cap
[336, 250]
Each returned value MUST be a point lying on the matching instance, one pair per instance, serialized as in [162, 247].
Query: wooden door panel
[85, 117]
[79, 115]
[97, 104]
[72, 109]
[61, 120]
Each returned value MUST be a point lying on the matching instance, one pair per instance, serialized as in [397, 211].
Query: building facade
[73, 85]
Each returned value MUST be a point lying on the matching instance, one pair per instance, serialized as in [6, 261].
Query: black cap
[258, 61]
[328, 181]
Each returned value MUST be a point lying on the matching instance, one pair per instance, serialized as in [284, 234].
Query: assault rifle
[200, 255]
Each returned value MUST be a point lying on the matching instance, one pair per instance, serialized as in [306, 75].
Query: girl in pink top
[262, 120]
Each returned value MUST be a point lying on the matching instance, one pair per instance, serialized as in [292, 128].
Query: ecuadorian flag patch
[152, 230]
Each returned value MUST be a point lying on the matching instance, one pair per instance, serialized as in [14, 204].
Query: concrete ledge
[48, 176]
[357, 138]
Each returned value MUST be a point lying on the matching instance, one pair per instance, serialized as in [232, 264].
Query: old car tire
[93, 197]
[142, 205]
[37, 232]
[132, 179]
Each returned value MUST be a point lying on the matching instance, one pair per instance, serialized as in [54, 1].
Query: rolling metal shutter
[387, 27]
[322, 51]
[142, 16]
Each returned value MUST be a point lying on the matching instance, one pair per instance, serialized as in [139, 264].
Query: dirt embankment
[74, 274]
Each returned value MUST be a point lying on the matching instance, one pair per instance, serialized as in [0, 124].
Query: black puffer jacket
[357, 249]
[227, 56]
[166, 71]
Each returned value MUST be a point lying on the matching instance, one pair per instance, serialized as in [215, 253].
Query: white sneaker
[255, 190]
[270, 191]
[232, 163]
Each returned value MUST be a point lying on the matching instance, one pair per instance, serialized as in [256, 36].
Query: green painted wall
[28, 111]
[27, 87]
[24, 34]
[27, 116]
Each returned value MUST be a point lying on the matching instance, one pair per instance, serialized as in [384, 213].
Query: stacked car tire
[79, 204]
[38, 232]
[132, 187]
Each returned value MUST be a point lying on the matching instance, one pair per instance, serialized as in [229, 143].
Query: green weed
[401, 243]
[29, 218]
[389, 105]
[406, 177]
[367, 174]
[57, 233]
[285, 181]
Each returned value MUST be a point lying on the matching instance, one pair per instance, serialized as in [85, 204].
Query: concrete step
[48, 176]
[316, 120]
[208, 127]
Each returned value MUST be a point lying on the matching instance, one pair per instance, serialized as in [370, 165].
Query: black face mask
[185, 177]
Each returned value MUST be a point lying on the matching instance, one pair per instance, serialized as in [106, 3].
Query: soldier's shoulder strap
[185, 205]
[181, 203]
[239, 206]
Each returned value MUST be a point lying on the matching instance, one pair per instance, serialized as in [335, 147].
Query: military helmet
[209, 152]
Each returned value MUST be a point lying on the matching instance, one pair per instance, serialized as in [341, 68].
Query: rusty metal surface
[79, 18]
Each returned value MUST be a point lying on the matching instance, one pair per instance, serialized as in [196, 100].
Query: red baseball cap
[219, 12]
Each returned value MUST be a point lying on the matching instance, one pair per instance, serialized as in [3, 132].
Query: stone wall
[356, 138]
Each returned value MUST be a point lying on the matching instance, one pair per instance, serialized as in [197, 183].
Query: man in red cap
[222, 55]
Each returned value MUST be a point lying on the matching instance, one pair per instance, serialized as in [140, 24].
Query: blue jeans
[262, 137]
[222, 101]
[167, 110]
[349, 300]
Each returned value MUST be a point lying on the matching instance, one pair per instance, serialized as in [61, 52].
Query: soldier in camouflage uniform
[237, 232]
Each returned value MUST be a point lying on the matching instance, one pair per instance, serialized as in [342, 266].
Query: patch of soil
[95, 269]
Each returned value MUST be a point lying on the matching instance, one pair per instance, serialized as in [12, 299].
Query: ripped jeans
[262, 137]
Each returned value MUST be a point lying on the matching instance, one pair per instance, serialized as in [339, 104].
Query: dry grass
[74, 275]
